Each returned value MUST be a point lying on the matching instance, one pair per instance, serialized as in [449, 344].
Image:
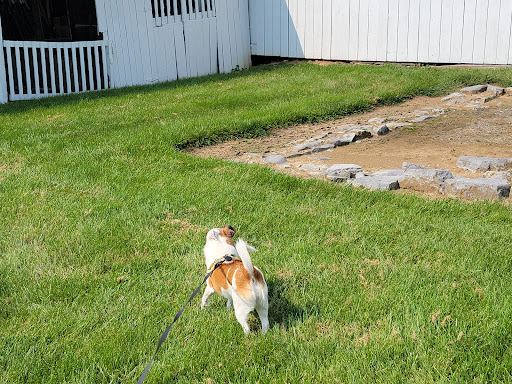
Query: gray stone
[483, 164]
[396, 125]
[377, 120]
[362, 134]
[488, 98]
[321, 148]
[319, 137]
[481, 188]
[275, 159]
[321, 157]
[298, 154]
[475, 106]
[388, 172]
[406, 165]
[343, 171]
[457, 101]
[307, 145]
[346, 139]
[381, 131]
[425, 180]
[313, 167]
[423, 118]
[456, 95]
[475, 89]
[509, 89]
[507, 175]
[498, 91]
[386, 183]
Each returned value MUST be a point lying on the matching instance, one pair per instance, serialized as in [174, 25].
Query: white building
[55, 47]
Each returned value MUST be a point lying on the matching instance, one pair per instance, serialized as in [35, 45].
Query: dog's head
[222, 235]
[219, 242]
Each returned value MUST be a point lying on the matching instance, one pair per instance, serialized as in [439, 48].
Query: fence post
[3, 76]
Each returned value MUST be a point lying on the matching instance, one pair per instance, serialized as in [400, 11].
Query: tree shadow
[282, 312]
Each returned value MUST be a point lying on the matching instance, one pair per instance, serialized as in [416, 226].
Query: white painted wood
[179, 45]
[382, 30]
[435, 33]
[456, 40]
[10, 72]
[301, 28]
[468, 31]
[392, 43]
[492, 33]
[353, 35]
[3, 75]
[504, 29]
[36, 46]
[293, 37]
[43, 66]
[257, 30]
[268, 26]
[373, 29]
[326, 40]
[276, 27]
[60, 70]
[445, 31]
[363, 30]
[67, 69]
[28, 75]
[482, 8]
[74, 57]
[402, 41]
[413, 33]
[309, 29]
[53, 87]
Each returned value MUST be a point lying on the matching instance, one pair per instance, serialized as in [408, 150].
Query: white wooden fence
[35, 69]
[162, 40]
[428, 31]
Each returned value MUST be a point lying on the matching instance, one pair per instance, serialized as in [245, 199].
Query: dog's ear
[228, 231]
[213, 234]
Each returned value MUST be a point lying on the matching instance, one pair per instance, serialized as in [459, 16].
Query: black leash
[166, 332]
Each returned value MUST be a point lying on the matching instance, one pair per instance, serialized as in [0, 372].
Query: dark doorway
[49, 20]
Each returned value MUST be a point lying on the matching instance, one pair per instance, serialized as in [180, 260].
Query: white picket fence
[428, 31]
[35, 69]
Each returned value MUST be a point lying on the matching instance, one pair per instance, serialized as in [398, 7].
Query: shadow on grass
[70, 99]
[282, 312]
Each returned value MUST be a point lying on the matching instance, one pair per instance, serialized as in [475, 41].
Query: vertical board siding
[165, 40]
[429, 31]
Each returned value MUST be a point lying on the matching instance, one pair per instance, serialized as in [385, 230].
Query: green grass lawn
[103, 220]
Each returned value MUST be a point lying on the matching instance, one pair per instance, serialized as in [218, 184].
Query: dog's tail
[243, 251]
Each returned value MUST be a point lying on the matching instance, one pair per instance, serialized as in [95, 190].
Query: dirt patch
[461, 126]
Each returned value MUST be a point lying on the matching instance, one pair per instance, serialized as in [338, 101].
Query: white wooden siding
[162, 40]
[429, 31]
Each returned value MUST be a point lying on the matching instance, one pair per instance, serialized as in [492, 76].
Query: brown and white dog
[238, 281]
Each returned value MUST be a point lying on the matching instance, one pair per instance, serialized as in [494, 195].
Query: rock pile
[494, 185]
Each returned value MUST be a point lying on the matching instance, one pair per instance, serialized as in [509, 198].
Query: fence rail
[35, 69]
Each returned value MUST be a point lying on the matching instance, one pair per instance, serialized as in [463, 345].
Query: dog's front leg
[208, 291]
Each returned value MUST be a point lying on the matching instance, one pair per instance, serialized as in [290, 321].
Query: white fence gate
[428, 31]
[35, 69]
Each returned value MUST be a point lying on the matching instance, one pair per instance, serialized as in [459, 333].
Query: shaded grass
[103, 221]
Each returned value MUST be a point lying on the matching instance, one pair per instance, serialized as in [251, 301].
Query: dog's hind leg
[242, 311]
[263, 314]
[229, 305]
[208, 291]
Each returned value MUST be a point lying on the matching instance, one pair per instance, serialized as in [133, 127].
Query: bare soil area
[469, 128]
